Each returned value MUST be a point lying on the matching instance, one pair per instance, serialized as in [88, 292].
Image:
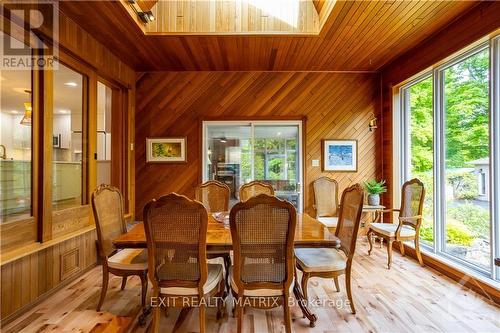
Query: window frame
[252, 123]
[401, 119]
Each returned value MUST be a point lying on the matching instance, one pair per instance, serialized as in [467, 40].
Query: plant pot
[373, 199]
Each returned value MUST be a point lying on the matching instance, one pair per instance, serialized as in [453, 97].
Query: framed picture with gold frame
[340, 155]
[166, 150]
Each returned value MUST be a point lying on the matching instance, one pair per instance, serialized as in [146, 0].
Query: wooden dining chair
[255, 188]
[409, 221]
[214, 195]
[326, 201]
[329, 262]
[176, 234]
[107, 206]
[262, 231]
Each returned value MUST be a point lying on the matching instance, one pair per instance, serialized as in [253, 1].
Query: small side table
[376, 216]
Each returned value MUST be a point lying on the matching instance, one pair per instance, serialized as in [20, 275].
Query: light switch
[315, 163]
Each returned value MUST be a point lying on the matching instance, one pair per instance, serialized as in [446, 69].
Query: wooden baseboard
[13, 316]
[463, 278]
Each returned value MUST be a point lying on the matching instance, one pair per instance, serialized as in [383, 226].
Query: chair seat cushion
[256, 292]
[213, 279]
[389, 229]
[129, 259]
[330, 221]
[320, 259]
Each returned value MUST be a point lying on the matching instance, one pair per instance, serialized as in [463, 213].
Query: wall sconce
[144, 16]
[372, 125]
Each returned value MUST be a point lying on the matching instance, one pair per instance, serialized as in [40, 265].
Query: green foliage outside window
[467, 139]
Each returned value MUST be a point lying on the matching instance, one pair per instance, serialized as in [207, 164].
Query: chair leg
[402, 248]
[155, 324]
[202, 317]
[369, 236]
[104, 288]
[239, 314]
[303, 284]
[389, 253]
[417, 251]
[144, 289]
[124, 282]
[348, 288]
[227, 264]
[336, 280]
[286, 311]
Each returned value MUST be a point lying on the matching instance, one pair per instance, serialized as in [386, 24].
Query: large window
[418, 98]
[466, 156]
[68, 145]
[447, 126]
[103, 154]
[236, 153]
[15, 145]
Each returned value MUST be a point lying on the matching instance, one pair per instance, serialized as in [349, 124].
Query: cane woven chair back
[412, 201]
[351, 206]
[326, 197]
[254, 188]
[214, 195]
[107, 206]
[263, 230]
[176, 229]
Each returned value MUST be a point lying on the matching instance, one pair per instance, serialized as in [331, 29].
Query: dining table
[309, 232]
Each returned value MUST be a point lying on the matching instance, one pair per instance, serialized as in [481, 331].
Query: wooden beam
[146, 5]
[318, 4]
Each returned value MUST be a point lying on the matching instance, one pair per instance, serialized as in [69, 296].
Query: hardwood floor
[405, 299]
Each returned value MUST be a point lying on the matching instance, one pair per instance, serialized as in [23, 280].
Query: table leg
[144, 315]
[297, 291]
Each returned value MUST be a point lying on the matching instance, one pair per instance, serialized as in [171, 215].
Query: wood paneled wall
[30, 271]
[472, 26]
[24, 280]
[332, 105]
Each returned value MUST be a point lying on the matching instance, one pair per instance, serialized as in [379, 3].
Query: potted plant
[374, 188]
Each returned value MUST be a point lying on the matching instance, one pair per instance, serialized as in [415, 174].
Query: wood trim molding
[20, 252]
[70, 263]
[459, 276]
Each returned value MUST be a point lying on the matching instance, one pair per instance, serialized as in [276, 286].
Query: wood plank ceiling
[357, 36]
[236, 17]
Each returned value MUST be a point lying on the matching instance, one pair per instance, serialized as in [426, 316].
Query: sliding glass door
[239, 152]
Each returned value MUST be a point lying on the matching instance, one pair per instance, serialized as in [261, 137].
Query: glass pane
[104, 94]
[467, 166]
[67, 138]
[276, 159]
[229, 156]
[419, 102]
[15, 145]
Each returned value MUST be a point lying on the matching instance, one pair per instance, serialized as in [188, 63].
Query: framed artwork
[340, 155]
[166, 150]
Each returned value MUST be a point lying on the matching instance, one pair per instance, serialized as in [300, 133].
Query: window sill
[464, 275]
[23, 251]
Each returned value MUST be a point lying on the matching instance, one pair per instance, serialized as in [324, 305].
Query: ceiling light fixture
[14, 112]
[26, 121]
[71, 84]
[144, 16]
